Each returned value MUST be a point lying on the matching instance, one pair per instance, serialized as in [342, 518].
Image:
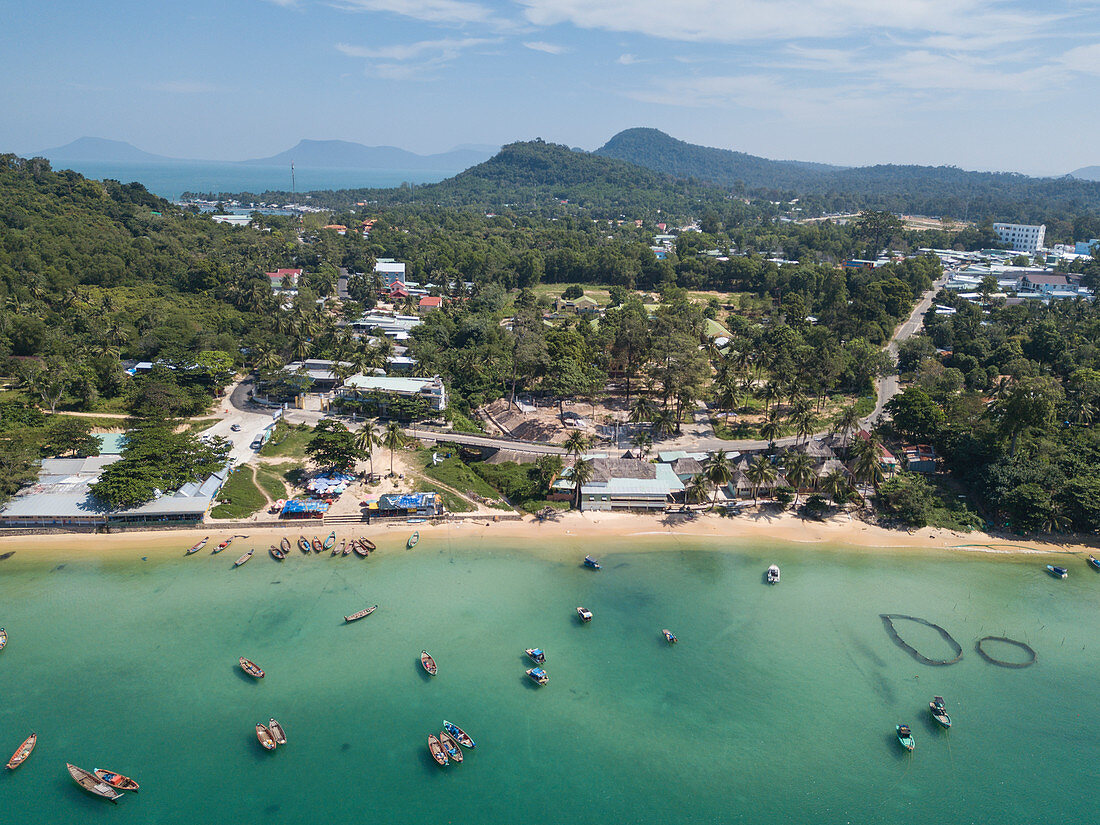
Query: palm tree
[696, 491]
[804, 424]
[581, 475]
[868, 465]
[392, 439]
[771, 429]
[800, 471]
[770, 393]
[836, 484]
[760, 471]
[846, 421]
[664, 423]
[719, 472]
[576, 444]
[643, 410]
[366, 440]
[643, 443]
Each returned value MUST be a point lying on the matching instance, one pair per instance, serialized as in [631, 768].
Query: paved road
[252, 418]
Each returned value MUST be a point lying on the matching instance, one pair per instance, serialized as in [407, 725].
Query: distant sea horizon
[170, 179]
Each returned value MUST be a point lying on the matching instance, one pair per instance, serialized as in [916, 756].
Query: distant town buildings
[1021, 237]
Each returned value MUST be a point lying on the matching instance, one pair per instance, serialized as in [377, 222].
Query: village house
[622, 484]
[428, 303]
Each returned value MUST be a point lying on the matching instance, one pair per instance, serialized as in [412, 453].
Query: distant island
[1086, 173]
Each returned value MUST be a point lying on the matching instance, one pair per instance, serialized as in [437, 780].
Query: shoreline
[601, 530]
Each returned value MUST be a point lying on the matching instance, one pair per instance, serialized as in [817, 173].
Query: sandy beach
[605, 531]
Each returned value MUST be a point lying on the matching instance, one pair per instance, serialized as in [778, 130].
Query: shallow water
[778, 704]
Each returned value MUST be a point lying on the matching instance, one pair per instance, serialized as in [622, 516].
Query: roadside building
[390, 271]
[363, 387]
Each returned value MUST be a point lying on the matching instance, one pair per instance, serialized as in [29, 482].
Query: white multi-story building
[1021, 237]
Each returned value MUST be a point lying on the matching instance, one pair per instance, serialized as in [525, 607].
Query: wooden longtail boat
[317, 546]
[22, 752]
[938, 709]
[539, 676]
[536, 655]
[91, 784]
[436, 750]
[1095, 562]
[349, 546]
[670, 637]
[413, 539]
[277, 732]
[265, 737]
[367, 544]
[591, 562]
[303, 544]
[244, 558]
[284, 544]
[362, 614]
[277, 553]
[329, 541]
[358, 547]
[251, 668]
[3, 638]
[223, 545]
[116, 780]
[339, 551]
[451, 746]
[905, 736]
[428, 662]
[459, 734]
[198, 546]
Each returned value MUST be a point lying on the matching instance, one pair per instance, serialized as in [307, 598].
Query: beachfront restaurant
[406, 505]
[304, 508]
[622, 484]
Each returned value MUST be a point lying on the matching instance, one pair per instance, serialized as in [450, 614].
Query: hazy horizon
[979, 84]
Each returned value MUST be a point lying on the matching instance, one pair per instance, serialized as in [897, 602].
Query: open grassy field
[239, 497]
[288, 440]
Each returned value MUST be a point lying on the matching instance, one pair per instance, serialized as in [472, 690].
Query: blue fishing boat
[591, 562]
[537, 656]
[1095, 562]
[459, 734]
[539, 676]
[1057, 572]
[905, 736]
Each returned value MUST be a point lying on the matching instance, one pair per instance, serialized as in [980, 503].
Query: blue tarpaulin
[304, 507]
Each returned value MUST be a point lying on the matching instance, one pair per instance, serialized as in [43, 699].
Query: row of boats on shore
[938, 708]
[361, 546]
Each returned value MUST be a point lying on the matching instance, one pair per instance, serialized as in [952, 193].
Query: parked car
[236, 428]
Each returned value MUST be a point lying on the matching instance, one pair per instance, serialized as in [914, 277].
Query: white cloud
[627, 60]
[432, 11]
[183, 87]
[447, 48]
[1084, 59]
[549, 48]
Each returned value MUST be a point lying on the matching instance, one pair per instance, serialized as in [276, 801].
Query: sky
[981, 84]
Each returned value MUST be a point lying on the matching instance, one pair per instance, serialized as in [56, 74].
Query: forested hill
[927, 190]
[540, 177]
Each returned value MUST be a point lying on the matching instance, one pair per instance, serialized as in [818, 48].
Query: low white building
[430, 389]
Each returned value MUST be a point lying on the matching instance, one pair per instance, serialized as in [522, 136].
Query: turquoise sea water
[170, 180]
[777, 706]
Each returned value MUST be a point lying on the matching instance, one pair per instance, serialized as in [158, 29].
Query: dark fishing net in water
[888, 623]
[1028, 649]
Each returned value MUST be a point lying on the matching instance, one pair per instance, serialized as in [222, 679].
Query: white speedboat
[773, 574]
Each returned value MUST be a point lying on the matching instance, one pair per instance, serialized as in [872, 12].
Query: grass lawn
[289, 441]
[270, 478]
[453, 503]
[454, 473]
[239, 496]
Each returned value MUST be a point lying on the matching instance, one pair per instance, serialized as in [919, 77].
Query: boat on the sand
[91, 783]
[277, 553]
[340, 551]
[116, 780]
[413, 539]
[22, 752]
[362, 614]
[303, 544]
[317, 546]
[329, 541]
[284, 544]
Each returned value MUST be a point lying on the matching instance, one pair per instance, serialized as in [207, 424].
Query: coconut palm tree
[392, 439]
[799, 471]
[696, 490]
[643, 443]
[576, 444]
[643, 410]
[366, 440]
[846, 421]
[868, 464]
[760, 471]
[837, 486]
[770, 393]
[718, 472]
[664, 423]
[581, 474]
[804, 424]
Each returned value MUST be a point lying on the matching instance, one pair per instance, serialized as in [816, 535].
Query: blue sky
[984, 84]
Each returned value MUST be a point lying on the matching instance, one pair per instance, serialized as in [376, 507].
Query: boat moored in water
[362, 614]
[317, 546]
[1095, 562]
[277, 553]
[91, 783]
[939, 711]
[536, 655]
[539, 676]
[436, 750]
[342, 549]
[428, 663]
[277, 732]
[367, 544]
[584, 614]
[251, 668]
[263, 734]
[244, 558]
[22, 752]
[905, 737]
[196, 548]
[773, 574]
[329, 541]
[303, 544]
[223, 545]
[413, 539]
[670, 637]
[116, 780]
[1057, 572]
[454, 752]
[591, 562]
[284, 545]
[459, 734]
[3, 638]
[359, 549]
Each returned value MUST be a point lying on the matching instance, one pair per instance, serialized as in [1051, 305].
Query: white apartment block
[1021, 237]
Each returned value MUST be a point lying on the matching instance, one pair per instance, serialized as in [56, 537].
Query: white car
[236, 428]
